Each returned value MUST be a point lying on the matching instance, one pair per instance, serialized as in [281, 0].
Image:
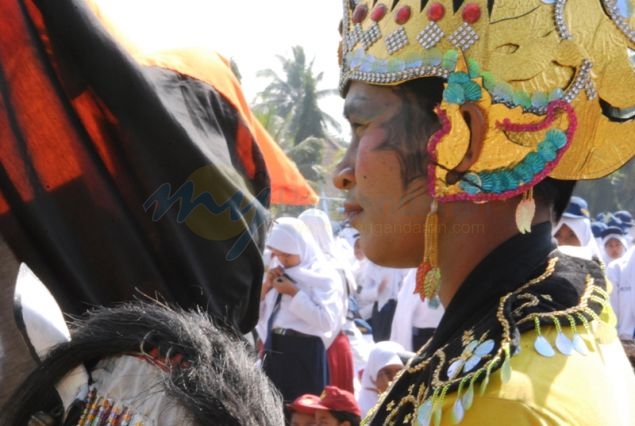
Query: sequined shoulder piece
[569, 293]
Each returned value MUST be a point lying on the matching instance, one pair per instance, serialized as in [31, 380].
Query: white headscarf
[581, 227]
[619, 237]
[630, 236]
[381, 355]
[350, 235]
[321, 228]
[267, 258]
[346, 242]
[313, 275]
[291, 235]
[621, 274]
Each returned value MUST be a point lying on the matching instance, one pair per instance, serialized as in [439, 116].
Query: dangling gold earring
[525, 211]
[428, 273]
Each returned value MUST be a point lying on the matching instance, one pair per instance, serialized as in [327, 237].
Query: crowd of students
[331, 317]
[609, 237]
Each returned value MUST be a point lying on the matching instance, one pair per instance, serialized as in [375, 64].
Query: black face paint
[408, 132]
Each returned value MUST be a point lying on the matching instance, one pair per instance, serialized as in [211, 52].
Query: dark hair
[555, 193]
[220, 384]
[345, 416]
[407, 134]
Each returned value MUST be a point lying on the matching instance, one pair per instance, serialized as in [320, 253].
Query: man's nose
[344, 177]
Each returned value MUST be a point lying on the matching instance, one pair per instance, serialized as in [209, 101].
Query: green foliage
[288, 108]
[294, 98]
[275, 126]
[308, 156]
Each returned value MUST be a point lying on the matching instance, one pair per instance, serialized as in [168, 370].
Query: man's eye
[355, 126]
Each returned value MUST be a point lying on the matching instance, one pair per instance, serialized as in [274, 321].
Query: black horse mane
[217, 380]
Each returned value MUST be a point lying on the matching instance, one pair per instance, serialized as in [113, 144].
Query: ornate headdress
[555, 82]
[554, 79]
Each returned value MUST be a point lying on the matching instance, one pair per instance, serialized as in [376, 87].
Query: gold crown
[554, 79]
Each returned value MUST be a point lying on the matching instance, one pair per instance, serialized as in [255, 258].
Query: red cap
[304, 403]
[332, 399]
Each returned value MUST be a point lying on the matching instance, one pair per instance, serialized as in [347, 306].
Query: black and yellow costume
[481, 365]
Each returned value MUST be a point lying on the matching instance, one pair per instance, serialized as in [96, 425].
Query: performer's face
[387, 206]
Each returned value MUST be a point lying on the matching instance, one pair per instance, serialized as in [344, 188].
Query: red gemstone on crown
[436, 12]
[359, 14]
[378, 12]
[403, 14]
[471, 13]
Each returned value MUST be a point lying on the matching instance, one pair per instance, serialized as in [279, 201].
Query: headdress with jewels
[554, 78]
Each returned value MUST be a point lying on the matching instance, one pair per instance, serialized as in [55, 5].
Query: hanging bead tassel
[525, 212]
[428, 273]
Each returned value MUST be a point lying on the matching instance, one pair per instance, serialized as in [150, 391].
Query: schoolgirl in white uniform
[300, 310]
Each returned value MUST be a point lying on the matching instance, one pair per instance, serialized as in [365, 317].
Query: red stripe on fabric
[92, 112]
[42, 136]
[244, 149]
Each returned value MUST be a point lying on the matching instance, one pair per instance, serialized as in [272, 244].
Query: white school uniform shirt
[369, 279]
[317, 308]
[621, 274]
[314, 310]
[412, 312]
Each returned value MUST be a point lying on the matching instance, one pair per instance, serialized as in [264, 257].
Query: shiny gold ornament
[557, 72]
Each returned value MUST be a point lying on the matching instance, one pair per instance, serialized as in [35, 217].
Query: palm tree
[294, 97]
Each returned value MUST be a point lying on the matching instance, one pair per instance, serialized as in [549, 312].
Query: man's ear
[476, 122]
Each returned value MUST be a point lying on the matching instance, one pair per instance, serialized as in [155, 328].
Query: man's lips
[352, 209]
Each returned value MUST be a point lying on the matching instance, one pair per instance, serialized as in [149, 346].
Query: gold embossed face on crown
[557, 72]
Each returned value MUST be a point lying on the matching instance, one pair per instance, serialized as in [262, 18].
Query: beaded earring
[428, 274]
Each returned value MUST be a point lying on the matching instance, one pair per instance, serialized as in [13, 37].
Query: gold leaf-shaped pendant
[525, 214]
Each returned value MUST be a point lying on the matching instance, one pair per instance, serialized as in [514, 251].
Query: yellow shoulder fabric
[546, 391]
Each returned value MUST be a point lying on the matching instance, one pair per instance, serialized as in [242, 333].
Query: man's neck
[468, 233]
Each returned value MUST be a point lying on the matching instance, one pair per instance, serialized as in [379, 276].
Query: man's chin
[380, 254]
